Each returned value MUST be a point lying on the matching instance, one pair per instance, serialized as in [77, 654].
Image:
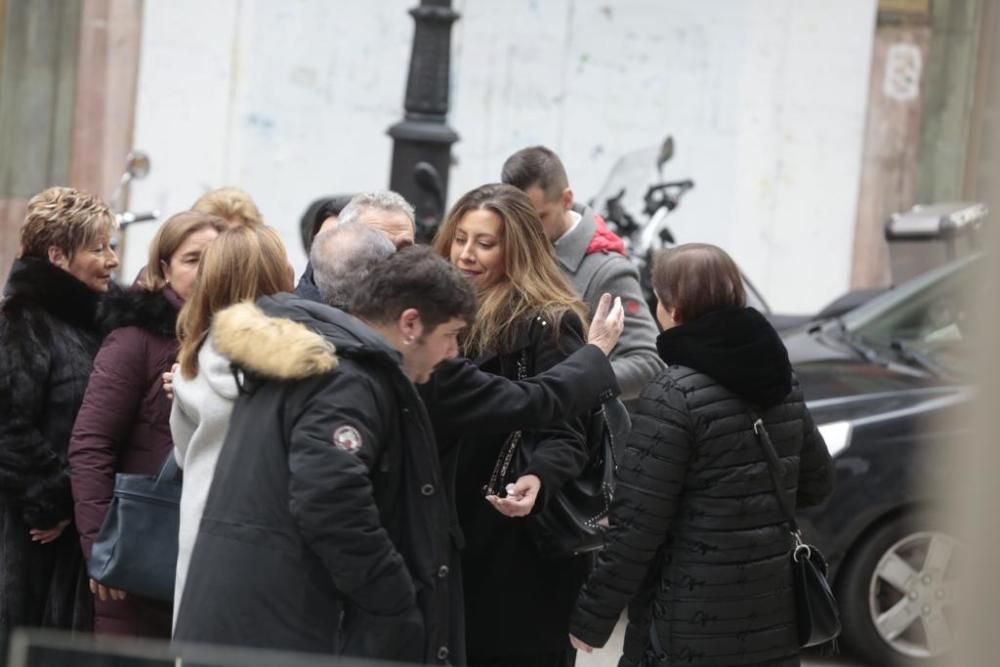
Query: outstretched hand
[521, 497]
[608, 323]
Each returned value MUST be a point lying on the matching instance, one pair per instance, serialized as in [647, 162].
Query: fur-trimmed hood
[274, 347]
[155, 312]
[37, 283]
[286, 337]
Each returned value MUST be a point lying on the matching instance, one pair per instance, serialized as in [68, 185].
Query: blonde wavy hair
[231, 204]
[242, 264]
[532, 284]
[66, 218]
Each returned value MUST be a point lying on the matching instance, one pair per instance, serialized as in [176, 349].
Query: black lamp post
[421, 153]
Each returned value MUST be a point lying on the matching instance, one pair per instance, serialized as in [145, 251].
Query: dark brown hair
[536, 166]
[695, 279]
[415, 277]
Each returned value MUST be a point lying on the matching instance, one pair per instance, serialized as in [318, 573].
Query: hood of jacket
[37, 282]
[590, 236]
[155, 312]
[286, 337]
[736, 347]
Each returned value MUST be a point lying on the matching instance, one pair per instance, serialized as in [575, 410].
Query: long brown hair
[242, 264]
[171, 236]
[533, 284]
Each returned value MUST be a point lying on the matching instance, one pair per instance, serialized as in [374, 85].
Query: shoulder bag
[136, 548]
[816, 607]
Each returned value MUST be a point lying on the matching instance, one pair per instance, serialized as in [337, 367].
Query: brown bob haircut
[696, 279]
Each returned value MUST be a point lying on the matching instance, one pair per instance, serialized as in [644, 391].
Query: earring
[408, 340]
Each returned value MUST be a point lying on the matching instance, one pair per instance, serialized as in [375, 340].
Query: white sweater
[198, 422]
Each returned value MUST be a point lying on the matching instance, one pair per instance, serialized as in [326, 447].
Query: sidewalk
[608, 656]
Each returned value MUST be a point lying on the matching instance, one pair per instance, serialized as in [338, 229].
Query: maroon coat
[124, 426]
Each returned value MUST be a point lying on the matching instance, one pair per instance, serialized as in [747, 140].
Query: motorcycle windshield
[633, 172]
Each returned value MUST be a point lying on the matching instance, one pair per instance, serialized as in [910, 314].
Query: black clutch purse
[136, 548]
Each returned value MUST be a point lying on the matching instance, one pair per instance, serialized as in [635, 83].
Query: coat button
[427, 489]
[443, 571]
[443, 653]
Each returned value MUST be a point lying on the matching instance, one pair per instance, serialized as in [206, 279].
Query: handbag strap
[502, 466]
[169, 469]
[774, 467]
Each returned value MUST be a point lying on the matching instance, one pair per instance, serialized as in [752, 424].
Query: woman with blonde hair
[49, 335]
[243, 264]
[231, 204]
[518, 596]
[124, 422]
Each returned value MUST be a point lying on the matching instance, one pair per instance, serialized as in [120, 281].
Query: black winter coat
[698, 540]
[49, 335]
[517, 599]
[327, 497]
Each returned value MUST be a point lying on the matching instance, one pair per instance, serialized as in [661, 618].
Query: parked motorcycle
[650, 232]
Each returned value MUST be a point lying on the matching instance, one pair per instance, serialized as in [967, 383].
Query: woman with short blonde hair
[49, 333]
[243, 264]
[233, 205]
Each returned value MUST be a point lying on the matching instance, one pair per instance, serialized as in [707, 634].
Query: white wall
[290, 99]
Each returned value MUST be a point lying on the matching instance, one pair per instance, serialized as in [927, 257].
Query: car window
[932, 320]
[936, 314]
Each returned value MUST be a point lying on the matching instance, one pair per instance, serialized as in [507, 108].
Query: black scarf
[153, 311]
[39, 283]
[737, 348]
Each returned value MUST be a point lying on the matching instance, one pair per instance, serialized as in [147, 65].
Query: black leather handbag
[575, 519]
[816, 607]
[136, 548]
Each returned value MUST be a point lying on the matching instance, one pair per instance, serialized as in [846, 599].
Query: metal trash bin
[928, 236]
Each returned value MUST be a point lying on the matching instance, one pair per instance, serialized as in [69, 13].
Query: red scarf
[604, 239]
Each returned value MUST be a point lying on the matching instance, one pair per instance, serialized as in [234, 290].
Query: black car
[881, 381]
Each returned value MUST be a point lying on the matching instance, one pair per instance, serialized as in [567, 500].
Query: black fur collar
[38, 283]
[153, 311]
[737, 348]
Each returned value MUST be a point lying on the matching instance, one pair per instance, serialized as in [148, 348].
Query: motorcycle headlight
[837, 436]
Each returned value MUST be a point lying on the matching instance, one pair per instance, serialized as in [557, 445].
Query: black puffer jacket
[327, 496]
[698, 540]
[49, 335]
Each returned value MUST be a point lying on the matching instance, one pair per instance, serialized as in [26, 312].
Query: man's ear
[410, 326]
[58, 257]
[567, 199]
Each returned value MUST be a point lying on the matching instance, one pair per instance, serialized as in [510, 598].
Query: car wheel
[897, 594]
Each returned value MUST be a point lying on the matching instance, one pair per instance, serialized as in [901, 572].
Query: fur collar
[155, 312]
[275, 347]
[737, 348]
[37, 283]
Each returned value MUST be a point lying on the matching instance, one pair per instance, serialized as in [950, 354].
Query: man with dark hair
[328, 498]
[593, 258]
